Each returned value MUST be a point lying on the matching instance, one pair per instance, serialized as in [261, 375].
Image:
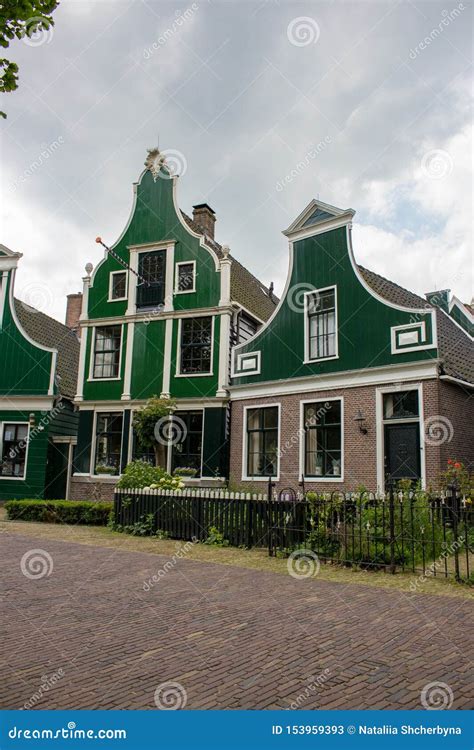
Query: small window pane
[185, 277]
[270, 417]
[14, 444]
[401, 405]
[119, 285]
[107, 352]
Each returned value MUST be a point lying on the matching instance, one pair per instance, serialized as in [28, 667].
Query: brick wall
[457, 406]
[83, 488]
[360, 459]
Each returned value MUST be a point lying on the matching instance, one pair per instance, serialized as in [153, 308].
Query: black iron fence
[407, 531]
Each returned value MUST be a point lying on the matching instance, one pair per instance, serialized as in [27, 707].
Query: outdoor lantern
[360, 420]
[32, 419]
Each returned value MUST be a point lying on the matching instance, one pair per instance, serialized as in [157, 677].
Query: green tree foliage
[20, 18]
[151, 426]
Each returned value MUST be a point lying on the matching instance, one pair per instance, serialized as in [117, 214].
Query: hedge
[59, 511]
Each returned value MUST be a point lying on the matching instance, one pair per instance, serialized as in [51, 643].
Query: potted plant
[185, 471]
[105, 469]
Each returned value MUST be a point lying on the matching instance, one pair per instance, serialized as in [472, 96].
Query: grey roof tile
[50, 332]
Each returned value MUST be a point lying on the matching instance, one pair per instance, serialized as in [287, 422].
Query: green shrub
[140, 474]
[59, 511]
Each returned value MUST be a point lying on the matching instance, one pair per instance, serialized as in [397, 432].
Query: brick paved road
[233, 638]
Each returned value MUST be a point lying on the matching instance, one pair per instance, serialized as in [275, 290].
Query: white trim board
[349, 379]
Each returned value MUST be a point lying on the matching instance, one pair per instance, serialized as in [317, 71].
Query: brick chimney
[205, 218]
[73, 312]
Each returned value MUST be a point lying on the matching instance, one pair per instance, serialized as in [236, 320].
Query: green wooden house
[353, 378]
[38, 373]
[159, 314]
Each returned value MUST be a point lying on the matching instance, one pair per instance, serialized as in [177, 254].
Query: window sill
[324, 479]
[321, 359]
[193, 374]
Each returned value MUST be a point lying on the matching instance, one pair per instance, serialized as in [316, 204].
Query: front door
[402, 451]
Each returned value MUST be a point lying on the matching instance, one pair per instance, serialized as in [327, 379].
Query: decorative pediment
[318, 213]
[155, 161]
[6, 252]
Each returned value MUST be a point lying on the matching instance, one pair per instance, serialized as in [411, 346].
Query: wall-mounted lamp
[360, 421]
[32, 419]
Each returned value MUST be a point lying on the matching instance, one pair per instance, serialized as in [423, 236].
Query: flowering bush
[140, 474]
[456, 473]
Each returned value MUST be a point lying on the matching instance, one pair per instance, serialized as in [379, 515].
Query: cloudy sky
[371, 99]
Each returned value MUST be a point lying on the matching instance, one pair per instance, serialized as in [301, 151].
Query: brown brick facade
[84, 488]
[360, 451]
[457, 406]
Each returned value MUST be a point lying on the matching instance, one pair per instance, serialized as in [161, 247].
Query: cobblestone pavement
[89, 635]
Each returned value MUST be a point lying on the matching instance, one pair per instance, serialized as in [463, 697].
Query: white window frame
[111, 285]
[420, 345]
[238, 372]
[2, 427]
[307, 358]
[380, 423]
[91, 378]
[109, 410]
[245, 477]
[178, 373]
[176, 277]
[319, 399]
[135, 251]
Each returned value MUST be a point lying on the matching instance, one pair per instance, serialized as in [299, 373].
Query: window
[322, 439]
[401, 405]
[262, 442]
[152, 269]
[107, 352]
[118, 285]
[108, 443]
[187, 451]
[246, 327]
[196, 346]
[185, 277]
[322, 333]
[14, 444]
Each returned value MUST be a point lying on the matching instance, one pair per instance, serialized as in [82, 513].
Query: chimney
[73, 312]
[205, 218]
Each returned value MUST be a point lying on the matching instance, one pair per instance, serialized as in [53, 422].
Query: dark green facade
[34, 414]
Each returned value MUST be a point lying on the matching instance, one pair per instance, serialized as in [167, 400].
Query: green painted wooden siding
[364, 322]
[215, 448]
[155, 220]
[32, 486]
[25, 368]
[82, 458]
[147, 363]
[65, 421]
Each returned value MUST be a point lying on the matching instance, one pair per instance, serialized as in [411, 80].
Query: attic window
[317, 216]
[185, 277]
[321, 324]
